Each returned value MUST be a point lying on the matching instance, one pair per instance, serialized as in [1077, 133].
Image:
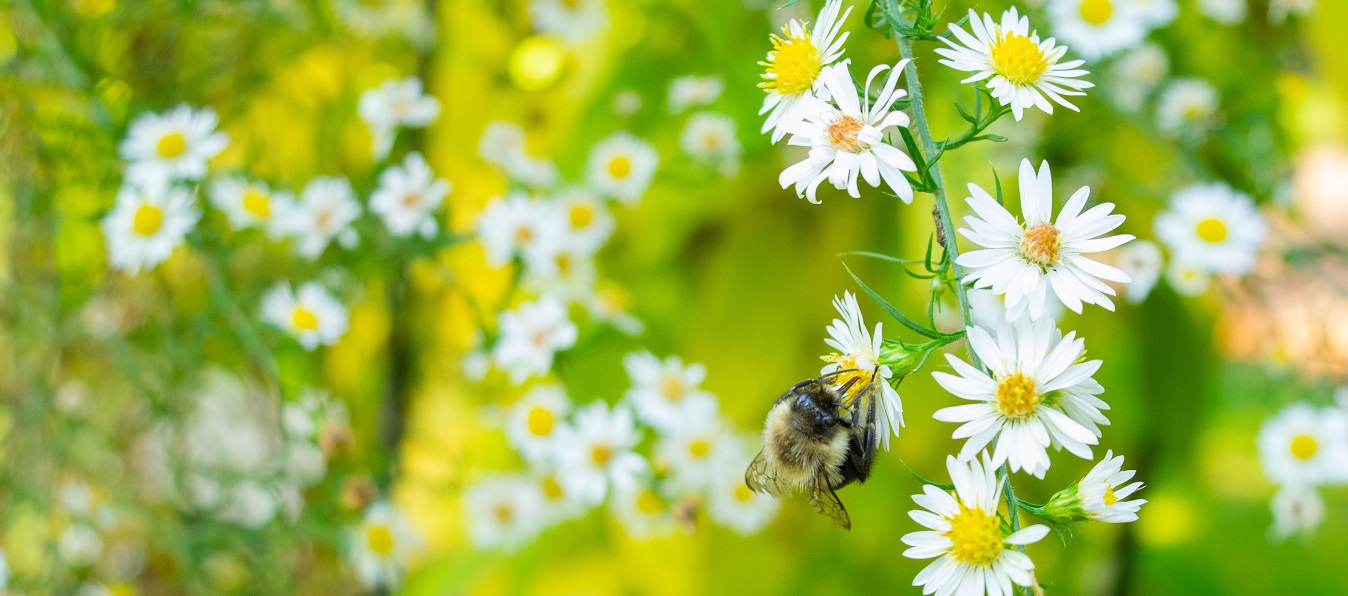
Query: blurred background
[120, 388]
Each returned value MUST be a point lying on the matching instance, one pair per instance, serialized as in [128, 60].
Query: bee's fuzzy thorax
[800, 456]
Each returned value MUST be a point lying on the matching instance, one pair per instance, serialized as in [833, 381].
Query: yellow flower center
[323, 221]
[864, 375]
[1016, 396]
[563, 261]
[171, 145]
[304, 319]
[1193, 111]
[504, 513]
[975, 535]
[540, 421]
[1110, 498]
[601, 454]
[1304, 447]
[649, 503]
[257, 202]
[1211, 230]
[524, 234]
[380, 539]
[671, 387]
[620, 167]
[793, 64]
[1018, 59]
[1041, 245]
[843, 133]
[711, 141]
[699, 448]
[147, 220]
[742, 493]
[580, 215]
[1096, 12]
[552, 489]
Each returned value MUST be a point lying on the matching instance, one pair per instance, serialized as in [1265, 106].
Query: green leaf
[919, 478]
[893, 312]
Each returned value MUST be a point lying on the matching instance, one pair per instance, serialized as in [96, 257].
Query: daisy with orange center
[503, 512]
[793, 68]
[325, 213]
[408, 196]
[858, 351]
[600, 457]
[530, 336]
[666, 393]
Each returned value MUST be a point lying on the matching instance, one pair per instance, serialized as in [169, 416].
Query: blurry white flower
[174, 146]
[1102, 492]
[377, 18]
[311, 315]
[325, 211]
[697, 449]
[1036, 395]
[600, 458]
[858, 351]
[1020, 70]
[608, 304]
[394, 104]
[408, 196]
[75, 497]
[1098, 28]
[79, 545]
[1305, 446]
[1187, 107]
[530, 336]
[536, 424]
[502, 145]
[791, 74]
[503, 512]
[378, 548]
[573, 21]
[4, 569]
[690, 91]
[558, 502]
[626, 102]
[251, 204]
[666, 392]
[710, 137]
[621, 166]
[642, 511]
[1296, 510]
[144, 227]
[1155, 13]
[1186, 278]
[1226, 12]
[587, 218]
[1025, 261]
[246, 503]
[731, 503]
[1213, 227]
[1142, 261]
[475, 365]
[508, 226]
[975, 552]
[1137, 73]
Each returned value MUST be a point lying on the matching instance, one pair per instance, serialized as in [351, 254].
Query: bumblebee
[817, 440]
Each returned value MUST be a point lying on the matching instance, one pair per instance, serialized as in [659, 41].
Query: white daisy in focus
[165, 148]
[1024, 261]
[408, 196]
[1102, 492]
[858, 350]
[502, 512]
[537, 422]
[665, 392]
[791, 73]
[1305, 446]
[1037, 395]
[711, 138]
[1214, 227]
[974, 551]
[1297, 510]
[1137, 73]
[1098, 28]
[621, 166]
[144, 227]
[599, 458]
[1187, 279]
[251, 204]
[311, 315]
[731, 503]
[588, 221]
[379, 547]
[508, 226]
[988, 310]
[1142, 261]
[325, 212]
[690, 91]
[696, 450]
[1226, 12]
[1021, 71]
[530, 336]
[643, 512]
[572, 21]
[1187, 107]
[394, 104]
[847, 137]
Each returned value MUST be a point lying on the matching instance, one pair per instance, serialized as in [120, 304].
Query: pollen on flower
[304, 319]
[1018, 59]
[699, 448]
[649, 503]
[1212, 230]
[844, 134]
[863, 374]
[600, 454]
[975, 536]
[1016, 395]
[793, 64]
[1304, 447]
[540, 421]
[1041, 245]
[257, 202]
[171, 145]
[147, 220]
[1110, 498]
[1096, 12]
[380, 539]
[620, 167]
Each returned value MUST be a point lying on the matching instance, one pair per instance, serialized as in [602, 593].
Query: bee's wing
[762, 477]
[826, 502]
[865, 441]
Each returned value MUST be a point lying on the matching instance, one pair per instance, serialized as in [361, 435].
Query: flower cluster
[1303, 448]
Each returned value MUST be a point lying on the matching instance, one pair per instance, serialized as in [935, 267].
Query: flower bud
[1065, 507]
[900, 359]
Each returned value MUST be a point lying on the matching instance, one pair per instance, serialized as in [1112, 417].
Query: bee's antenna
[847, 385]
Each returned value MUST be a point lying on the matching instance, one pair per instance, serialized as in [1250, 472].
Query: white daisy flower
[1026, 260]
[1098, 28]
[588, 220]
[600, 456]
[1037, 394]
[988, 310]
[559, 504]
[311, 315]
[710, 138]
[696, 450]
[164, 148]
[731, 503]
[537, 422]
[379, 547]
[975, 552]
[530, 336]
[1137, 73]
[690, 91]
[665, 392]
[508, 226]
[1213, 227]
[407, 197]
[643, 512]
[1305, 446]
[556, 265]
[325, 211]
[1226, 12]
[144, 227]
[502, 145]
[1021, 71]
[847, 137]
[1102, 492]
[1142, 261]
[858, 350]
[502, 512]
[394, 104]
[572, 21]
[251, 204]
[1187, 107]
[621, 166]
[1186, 278]
[1155, 13]
[792, 70]
[609, 304]
[1296, 510]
